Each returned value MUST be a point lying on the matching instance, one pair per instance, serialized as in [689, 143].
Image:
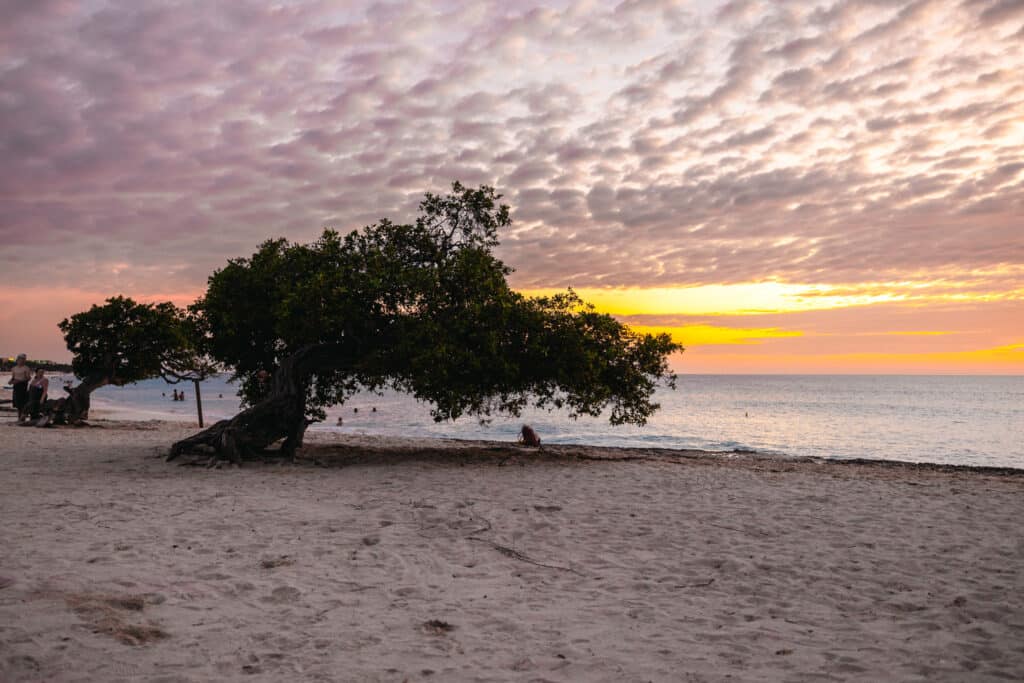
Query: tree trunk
[281, 415]
[199, 402]
[73, 408]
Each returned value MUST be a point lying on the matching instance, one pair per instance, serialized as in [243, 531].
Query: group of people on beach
[29, 389]
[178, 396]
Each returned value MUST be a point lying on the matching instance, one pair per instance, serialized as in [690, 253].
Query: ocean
[960, 420]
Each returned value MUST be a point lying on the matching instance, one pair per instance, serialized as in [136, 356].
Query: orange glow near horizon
[29, 316]
[708, 320]
[1004, 360]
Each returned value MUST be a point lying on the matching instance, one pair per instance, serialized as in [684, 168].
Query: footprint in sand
[22, 664]
[282, 595]
[279, 561]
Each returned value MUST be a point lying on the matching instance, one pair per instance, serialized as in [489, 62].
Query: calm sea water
[940, 419]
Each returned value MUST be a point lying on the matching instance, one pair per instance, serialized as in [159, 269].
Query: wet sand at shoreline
[413, 559]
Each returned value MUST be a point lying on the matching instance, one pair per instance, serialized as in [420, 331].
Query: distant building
[6, 363]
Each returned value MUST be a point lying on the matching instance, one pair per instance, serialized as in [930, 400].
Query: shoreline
[850, 419]
[751, 456]
[924, 421]
[738, 458]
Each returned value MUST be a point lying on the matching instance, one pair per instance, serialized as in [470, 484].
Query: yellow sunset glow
[777, 297]
[712, 335]
[756, 297]
[708, 321]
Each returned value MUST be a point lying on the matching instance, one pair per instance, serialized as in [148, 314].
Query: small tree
[187, 363]
[118, 343]
[423, 308]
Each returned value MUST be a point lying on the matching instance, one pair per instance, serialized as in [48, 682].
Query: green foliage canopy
[123, 341]
[426, 308]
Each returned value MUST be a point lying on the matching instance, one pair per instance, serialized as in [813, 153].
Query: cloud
[998, 11]
[640, 143]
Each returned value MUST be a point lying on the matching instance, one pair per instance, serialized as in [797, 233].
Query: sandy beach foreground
[402, 560]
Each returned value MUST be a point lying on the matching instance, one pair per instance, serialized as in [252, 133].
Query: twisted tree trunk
[281, 415]
[73, 408]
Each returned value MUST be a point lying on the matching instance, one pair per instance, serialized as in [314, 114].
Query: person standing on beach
[20, 376]
[38, 389]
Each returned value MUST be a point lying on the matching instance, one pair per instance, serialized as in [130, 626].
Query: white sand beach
[403, 560]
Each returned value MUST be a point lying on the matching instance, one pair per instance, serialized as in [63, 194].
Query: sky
[785, 187]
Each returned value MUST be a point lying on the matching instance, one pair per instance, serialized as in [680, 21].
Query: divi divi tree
[424, 308]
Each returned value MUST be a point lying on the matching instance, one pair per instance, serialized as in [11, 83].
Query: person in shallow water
[20, 376]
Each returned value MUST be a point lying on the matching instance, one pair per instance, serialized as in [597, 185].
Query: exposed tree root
[281, 416]
[516, 555]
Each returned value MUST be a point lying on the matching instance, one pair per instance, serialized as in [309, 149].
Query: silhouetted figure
[528, 437]
[20, 376]
[38, 389]
[263, 381]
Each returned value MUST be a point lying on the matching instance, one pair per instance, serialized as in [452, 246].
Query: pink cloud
[640, 143]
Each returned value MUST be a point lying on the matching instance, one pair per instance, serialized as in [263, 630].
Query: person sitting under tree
[38, 388]
[528, 437]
